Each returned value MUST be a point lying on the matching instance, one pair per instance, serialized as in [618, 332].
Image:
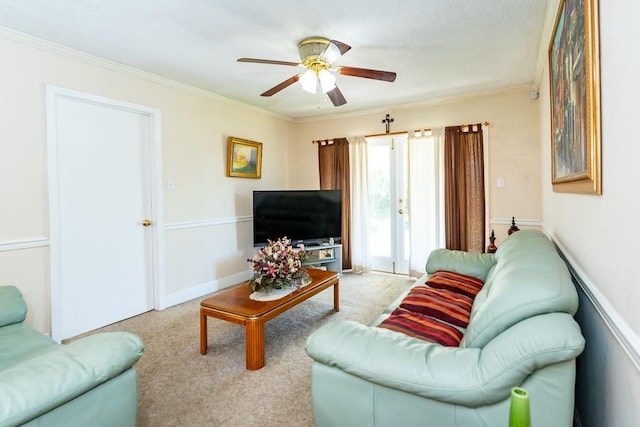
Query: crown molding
[414, 105]
[97, 61]
[545, 38]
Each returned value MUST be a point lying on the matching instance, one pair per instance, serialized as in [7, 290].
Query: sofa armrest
[464, 376]
[39, 384]
[12, 307]
[467, 263]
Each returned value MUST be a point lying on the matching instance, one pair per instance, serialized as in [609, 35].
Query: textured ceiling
[437, 48]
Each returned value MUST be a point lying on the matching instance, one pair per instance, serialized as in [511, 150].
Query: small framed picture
[325, 253]
[244, 158]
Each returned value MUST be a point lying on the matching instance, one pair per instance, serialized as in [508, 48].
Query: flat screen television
[304, 216]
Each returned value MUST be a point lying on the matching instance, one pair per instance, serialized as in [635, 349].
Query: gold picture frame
[244, 158]
[574, 82]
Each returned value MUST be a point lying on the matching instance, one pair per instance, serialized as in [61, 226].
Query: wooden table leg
[336, 296]
[203, 332]
[254, 342]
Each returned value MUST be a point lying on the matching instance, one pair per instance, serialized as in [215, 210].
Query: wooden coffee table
[234, 305]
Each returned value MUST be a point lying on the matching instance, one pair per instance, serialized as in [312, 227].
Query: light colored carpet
[180, 387]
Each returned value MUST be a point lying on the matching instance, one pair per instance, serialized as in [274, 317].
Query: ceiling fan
[317, 55]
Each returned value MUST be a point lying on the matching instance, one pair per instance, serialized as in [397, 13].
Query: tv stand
[328, 257]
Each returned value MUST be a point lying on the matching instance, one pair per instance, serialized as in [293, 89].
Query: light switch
[171, 184]
[500, 182]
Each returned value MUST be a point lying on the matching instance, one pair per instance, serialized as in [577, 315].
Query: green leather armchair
[89, 382]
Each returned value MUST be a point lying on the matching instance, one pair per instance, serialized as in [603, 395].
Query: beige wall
[601, 232]
[514, 152]
[207, 217]
[207, 242]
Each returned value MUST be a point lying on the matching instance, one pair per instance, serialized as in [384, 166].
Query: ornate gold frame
[574, 83]
[244, 158]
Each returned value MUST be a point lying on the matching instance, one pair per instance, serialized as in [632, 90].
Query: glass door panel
[388, 225]
[379, 206]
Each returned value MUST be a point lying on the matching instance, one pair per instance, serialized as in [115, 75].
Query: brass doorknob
[146, 222]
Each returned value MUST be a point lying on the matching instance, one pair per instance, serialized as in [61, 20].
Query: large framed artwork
[574, 74]
[244, 158]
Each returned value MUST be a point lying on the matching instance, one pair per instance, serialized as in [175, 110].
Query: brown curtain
[464, 208]
[333, 162]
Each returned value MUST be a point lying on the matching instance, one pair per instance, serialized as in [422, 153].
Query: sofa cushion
[471, 378]
[423, 327]
[456, 282]
[12, 306]
[529, 279]
[20, 342]
[469, 263]
[44, 382]
[445, 305]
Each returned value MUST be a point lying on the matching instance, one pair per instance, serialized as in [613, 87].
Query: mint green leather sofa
[89, 382]
[521, 333]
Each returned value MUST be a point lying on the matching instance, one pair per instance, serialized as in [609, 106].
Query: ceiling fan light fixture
[309, 81]
[331, 53]
[327, 80]
[312, 46]
[317, 55]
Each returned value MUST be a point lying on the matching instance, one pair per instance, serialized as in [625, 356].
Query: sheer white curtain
[426, 220]
[360, 255]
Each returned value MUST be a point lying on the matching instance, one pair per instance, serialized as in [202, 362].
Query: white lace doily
[271, 296]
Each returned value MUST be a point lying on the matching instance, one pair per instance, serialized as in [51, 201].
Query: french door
[388, 214]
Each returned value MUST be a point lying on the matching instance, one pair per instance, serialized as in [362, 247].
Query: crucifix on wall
[387, 120]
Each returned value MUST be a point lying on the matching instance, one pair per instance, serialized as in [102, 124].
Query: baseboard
[197, 291]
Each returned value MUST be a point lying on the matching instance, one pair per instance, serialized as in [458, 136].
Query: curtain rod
[385, 134]
[486, 124]
[330, 140]
[323, 141]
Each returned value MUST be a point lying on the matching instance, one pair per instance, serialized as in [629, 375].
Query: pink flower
[279, 260]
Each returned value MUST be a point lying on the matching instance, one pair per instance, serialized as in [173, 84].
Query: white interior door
[99, 160]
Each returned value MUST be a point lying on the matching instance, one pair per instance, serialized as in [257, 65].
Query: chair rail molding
[519, 221]
[207, 223]
[618, 326]
[14, 245]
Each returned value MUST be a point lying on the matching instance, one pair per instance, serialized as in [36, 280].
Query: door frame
[53, 93]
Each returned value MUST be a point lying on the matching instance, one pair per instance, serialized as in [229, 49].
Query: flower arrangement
[278, 265]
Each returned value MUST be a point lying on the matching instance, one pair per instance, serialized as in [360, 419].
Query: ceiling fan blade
[386, 76]
[336, 97]
[343, 47]
[334, 50]
[277, 88]
[268, 61]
